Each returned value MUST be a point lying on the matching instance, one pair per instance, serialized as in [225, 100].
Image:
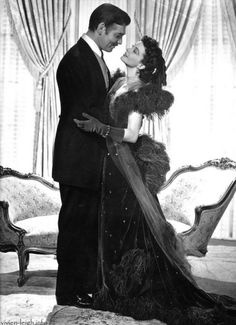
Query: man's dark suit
[77, 166]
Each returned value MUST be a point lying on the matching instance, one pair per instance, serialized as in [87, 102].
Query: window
[17, 114]
[202, 119]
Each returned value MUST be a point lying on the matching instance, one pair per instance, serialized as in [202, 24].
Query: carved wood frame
[196, 239]
[18, 245]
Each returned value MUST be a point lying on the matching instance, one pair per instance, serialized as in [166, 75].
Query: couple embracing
[116, 251]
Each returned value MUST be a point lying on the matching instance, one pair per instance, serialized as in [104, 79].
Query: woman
[142, 269]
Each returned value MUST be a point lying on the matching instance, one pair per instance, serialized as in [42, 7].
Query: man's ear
[101, 28]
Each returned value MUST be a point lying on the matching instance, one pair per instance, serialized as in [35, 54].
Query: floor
[35, 300]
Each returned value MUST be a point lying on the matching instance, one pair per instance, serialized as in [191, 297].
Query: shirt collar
[92, 44]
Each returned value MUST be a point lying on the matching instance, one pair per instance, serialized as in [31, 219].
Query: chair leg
[22, 256]
[27, 257]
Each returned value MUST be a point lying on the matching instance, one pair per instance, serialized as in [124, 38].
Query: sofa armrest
[198, 196]
[207, 217]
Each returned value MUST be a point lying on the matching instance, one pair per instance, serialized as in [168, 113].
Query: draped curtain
[203, 117]
[229, 14]
[16, 141]
[174, 25]
[40, 28]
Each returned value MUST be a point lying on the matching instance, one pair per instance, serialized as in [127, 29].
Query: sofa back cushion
[28, 198]
[191, 189]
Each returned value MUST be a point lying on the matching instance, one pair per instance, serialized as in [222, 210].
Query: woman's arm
[134, 125]
[130, 134]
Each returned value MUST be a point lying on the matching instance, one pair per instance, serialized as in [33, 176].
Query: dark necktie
[107, 70]
[102, 56]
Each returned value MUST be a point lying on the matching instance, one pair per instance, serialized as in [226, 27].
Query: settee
[29, 207]
[199, 202]
[193, 199]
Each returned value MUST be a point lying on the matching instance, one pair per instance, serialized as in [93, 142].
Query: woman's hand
[92, 124]
[130, 134]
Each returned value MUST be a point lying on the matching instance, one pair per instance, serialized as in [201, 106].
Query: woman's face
[134, 55]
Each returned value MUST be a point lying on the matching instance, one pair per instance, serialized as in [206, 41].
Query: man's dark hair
[109, 15]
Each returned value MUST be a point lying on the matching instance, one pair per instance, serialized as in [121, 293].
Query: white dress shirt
[92, 45]
[99, 55]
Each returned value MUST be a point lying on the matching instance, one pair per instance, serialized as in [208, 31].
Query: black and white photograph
[118, 162]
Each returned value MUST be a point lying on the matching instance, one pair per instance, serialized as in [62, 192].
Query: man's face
[111, 37]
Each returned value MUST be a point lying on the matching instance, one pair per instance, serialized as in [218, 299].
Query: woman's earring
[141, 66]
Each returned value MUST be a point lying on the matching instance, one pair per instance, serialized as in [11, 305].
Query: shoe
[83, 301]
[80, 301]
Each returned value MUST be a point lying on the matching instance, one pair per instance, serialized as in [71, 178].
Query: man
[83, 81]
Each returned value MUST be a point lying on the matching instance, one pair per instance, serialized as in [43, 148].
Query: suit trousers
[77, 246]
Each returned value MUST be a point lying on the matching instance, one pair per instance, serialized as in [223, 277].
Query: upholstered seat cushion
[42, 231]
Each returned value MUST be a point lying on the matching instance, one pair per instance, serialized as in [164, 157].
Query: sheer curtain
[202, 120]
[40, 29]
[17, 116]
[174, 25]
[229, 14]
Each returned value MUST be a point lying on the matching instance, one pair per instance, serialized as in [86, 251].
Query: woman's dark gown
[142, 269]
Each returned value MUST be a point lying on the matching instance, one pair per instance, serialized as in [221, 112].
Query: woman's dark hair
[155, 69]
[109, 15]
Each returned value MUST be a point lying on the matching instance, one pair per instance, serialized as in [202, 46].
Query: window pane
[17, 114]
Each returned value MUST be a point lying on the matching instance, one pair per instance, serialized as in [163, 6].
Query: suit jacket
[78, 155]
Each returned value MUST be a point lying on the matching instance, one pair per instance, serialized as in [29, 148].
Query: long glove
[92, 124]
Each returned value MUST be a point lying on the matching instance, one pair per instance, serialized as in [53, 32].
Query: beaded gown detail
[142, 271]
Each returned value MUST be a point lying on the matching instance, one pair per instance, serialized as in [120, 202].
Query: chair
[194, 199]
[29, 207]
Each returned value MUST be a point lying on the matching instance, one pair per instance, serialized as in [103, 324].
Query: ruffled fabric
[147, 99]
[134, 274]
[152, 160]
